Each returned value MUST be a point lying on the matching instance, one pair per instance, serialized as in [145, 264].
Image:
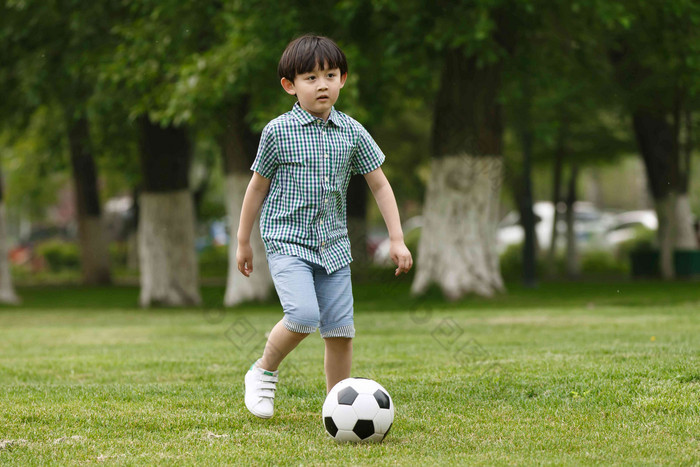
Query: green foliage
[594, 264]
[644, 240]
[412, 239]
[511, 262]
[118, 254]
[186, 62]
[601, 263]
[213, 261]
[59, 254]
[34, 164]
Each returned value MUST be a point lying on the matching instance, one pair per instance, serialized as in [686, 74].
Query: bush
[512, 263]
[412, 239]
[594, 263]
[602, 263]
[644, 240]
[213, 261]
[118, 253]
[59, 255]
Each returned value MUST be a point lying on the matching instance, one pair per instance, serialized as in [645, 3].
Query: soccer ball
[358, 409]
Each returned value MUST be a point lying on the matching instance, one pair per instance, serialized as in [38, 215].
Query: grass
[586, 373]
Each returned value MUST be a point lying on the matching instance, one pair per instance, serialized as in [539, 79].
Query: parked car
[590, 225]
[626, 225]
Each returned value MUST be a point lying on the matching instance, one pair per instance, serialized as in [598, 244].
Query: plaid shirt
[310, 163]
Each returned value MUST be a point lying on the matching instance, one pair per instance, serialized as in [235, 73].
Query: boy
[300, 178]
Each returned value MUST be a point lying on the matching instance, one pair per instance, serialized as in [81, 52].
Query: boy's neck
[322, 117]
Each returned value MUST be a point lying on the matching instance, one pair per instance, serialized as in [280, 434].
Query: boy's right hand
[244, 258]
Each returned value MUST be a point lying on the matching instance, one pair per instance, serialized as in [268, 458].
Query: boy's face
[317, 90]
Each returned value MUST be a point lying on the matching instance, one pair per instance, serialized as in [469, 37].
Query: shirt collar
[305, 117]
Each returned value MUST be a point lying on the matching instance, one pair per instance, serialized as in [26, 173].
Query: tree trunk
[94, 251]
[573, 265]
[238, 148]
[556, 199]
[685, 238]
[357, 220]
[238, 287]
[457, 249]
[665, 213]
[168, 260]
[655, 138]
[7, 290]
[527, 216]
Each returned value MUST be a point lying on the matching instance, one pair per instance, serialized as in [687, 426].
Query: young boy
[300, 178]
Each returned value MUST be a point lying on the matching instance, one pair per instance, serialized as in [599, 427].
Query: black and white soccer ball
[358, 409]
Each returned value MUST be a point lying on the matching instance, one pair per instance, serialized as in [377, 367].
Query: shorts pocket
[278, 263]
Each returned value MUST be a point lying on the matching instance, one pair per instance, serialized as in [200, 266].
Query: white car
[590, 225]
[626, 225]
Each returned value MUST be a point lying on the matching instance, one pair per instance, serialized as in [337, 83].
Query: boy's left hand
[401, 256]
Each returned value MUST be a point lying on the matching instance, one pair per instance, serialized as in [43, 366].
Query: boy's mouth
[320, 98]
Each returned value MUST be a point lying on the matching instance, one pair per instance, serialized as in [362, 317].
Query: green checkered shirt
[310, 162]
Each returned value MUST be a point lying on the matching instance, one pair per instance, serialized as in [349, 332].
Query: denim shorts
[312, 298]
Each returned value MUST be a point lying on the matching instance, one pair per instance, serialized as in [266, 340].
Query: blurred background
[526, 141]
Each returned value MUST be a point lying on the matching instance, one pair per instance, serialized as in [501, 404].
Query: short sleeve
[265, 162]
[367, 156]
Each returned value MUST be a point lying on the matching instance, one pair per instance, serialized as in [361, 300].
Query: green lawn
[587, 373]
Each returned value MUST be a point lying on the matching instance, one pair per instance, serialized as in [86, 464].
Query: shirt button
[325, 200]
[327, 179]
[326, 156]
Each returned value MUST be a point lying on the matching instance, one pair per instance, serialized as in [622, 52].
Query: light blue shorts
[312, 298]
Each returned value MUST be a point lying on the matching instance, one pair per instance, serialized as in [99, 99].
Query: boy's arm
[384, 196]
[253, 200]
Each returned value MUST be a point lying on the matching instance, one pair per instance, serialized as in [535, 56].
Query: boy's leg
[293, 279]
[338, 360]
[334, 295]
[280, 342]
[294, 282]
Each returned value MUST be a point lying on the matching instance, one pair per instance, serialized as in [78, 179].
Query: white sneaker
[260, 387]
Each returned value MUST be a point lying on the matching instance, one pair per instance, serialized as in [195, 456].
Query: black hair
[304, 53]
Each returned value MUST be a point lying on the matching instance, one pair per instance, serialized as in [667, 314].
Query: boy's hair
[305, 52]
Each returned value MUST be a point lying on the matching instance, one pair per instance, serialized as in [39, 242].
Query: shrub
[602, 263]
[118, 253]
[213, 261]
[59, 255]
[644, 240]
[411, 240]
[593, 263]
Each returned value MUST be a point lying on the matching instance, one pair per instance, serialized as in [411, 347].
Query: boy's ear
[288, 86]
[343, 77]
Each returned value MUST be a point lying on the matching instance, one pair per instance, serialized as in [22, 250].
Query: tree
[157, 41]
[561, 116]
[55, 45]
[654, 56]
[457, 249]
[166, 224]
